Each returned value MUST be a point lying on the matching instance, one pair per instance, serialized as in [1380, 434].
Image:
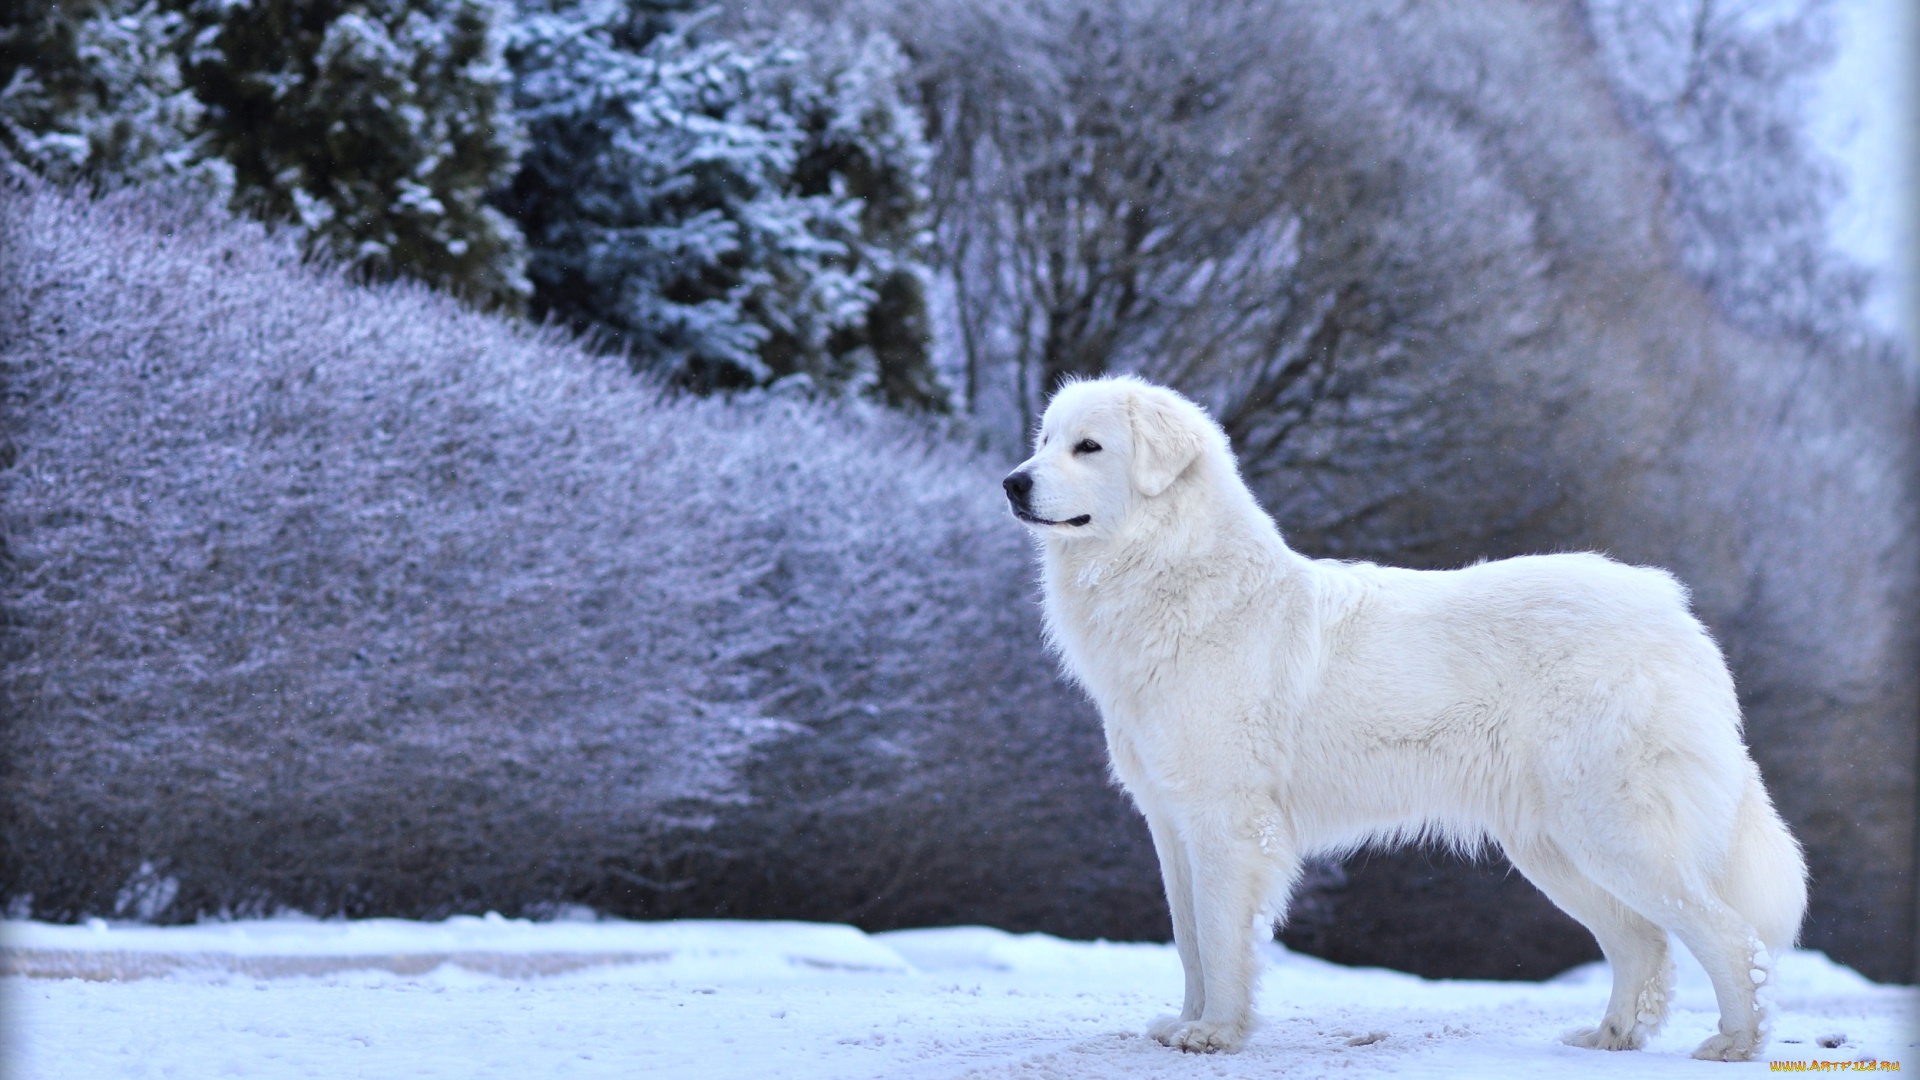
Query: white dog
[1261, 706]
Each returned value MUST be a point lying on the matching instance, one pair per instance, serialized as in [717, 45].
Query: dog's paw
[1201, 1037]
[1162, 1029]
[1610, 1035]
[1740, 1046]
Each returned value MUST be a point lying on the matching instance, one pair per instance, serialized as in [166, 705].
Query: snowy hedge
[356, 601]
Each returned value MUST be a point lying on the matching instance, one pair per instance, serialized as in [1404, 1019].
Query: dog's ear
[1164, 441]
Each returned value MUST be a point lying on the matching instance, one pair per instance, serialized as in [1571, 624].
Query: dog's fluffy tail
[1766, 877]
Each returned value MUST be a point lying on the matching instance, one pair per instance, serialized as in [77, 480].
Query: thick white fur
[1261, 706]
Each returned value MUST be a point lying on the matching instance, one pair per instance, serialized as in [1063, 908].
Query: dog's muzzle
[1019, 489]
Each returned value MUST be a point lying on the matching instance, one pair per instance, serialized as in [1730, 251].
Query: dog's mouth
[1074, 522]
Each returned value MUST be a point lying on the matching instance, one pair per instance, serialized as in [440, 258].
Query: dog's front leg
[1176, 874]
[1231, 878]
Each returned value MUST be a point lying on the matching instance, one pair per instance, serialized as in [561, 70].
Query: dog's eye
[1086, 446]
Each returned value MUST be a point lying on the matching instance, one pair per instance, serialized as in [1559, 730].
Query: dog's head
[1106, 446]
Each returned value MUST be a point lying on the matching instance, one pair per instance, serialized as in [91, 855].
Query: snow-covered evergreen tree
[92, 92]
[863, 139]
[379, 127]
[730, 215]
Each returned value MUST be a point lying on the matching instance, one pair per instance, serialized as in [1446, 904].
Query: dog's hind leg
[1635, 948]
[1177, 876]
[1740, 967]
[1724, 942]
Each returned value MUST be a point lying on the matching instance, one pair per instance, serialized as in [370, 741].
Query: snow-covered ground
[474, 997]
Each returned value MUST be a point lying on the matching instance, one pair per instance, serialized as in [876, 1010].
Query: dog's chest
[1159, 679]
[1148, 636]
[1195, 679]
[1125, 653]
[1158, 747]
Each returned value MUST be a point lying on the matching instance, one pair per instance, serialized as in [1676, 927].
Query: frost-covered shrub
[354, 600]
[93, 92]
[728, 214]
[377, 127]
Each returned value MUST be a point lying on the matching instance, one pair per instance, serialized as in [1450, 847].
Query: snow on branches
[93, 93]
[379, 129]
[730, 215]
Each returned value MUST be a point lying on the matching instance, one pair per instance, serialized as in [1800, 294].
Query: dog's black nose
[1019, 485]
